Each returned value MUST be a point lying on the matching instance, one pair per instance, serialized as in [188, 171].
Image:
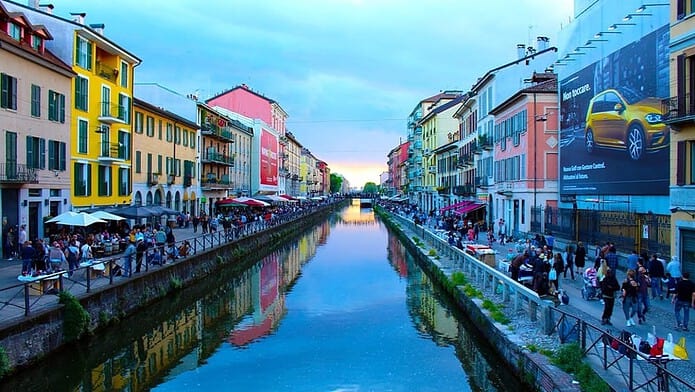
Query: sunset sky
[348, 72]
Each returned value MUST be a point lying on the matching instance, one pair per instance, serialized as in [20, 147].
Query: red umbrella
[229, 202]
[288, 197]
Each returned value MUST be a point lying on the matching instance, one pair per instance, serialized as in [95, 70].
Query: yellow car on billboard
[621, 120]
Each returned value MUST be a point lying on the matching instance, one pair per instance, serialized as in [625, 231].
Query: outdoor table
[41, 284]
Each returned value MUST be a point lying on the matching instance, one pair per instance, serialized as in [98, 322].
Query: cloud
[344, 70]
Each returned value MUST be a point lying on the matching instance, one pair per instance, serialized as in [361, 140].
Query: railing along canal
[24, 297]
[631, 368]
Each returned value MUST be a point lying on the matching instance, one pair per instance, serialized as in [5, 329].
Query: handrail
[28, 294]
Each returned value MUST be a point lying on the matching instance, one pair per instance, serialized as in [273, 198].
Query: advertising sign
[269, 159]
[613, 139]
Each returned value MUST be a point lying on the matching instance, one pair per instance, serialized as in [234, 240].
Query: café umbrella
[80, 219]
[64, 215]
[106, 216]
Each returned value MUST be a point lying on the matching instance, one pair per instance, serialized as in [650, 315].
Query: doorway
[33, 221]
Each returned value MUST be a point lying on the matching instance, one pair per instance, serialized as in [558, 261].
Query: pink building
[526, 154]
[397, 163]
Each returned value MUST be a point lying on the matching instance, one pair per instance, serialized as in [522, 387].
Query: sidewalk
[660, 314]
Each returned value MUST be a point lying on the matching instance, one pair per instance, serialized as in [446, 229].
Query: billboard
[613, 140]
[269, 159]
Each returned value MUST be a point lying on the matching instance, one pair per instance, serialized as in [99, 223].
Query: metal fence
[649, 233]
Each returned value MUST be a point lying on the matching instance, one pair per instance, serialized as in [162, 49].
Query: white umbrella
[81, 219]
[61, 216]
[106, 216]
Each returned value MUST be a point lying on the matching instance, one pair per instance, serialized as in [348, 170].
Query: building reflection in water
[242, 310]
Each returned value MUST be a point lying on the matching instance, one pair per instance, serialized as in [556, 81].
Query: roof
[245, 88]
[81, 26]
[548, 85]
[162, 112]
[489, 74]
[443, 107]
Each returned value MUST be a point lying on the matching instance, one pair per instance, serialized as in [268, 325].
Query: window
[124, 74]
[83, 53]
[82, 136]
[83, 179]
[15, 31]
[11, 151]
[192, 141]
[36, 42]
[56, 155]
[56, 106]
[104, 180]
[81, 93]
[138, 122]
[8, 92]
[124, 145]
[106, 101]
[159, 129]
[169, 166]
[124, 108]
[138, 161]
[169, 133]
[185, 137]
[150, 126]
[159, 164]
[35, 100]
[123, 181]
[36, 152]
[177, 135]
[685, 163]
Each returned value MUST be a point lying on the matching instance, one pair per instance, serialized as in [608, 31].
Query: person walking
[612, 258]
[609, 286]
[674, 268]
[656, 273]
[195, 221]
[580, 257]
[559, 267]
[684, 300]
[644, 282]
[569, 262]
[27, 253]
[629, 296]
[632, 260]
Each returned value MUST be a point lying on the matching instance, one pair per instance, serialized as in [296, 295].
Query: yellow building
[164, 158]
[679, 112]
[100, 111]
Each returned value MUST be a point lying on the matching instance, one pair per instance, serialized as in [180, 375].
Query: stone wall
[41, 333]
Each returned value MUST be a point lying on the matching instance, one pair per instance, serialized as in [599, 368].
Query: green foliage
[103, 318]
[570, 358]
[75, 317]
[499, 317]
[458, 278]
[432, 252]
[4, 363]
[336, 182]
[489, 305]
[547, 352]
[370, 187]
[175, 283]
[532, 348]
[472, 292]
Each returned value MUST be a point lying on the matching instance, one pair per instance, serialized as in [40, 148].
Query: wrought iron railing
[18, 173]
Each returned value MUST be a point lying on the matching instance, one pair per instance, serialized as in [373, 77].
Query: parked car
[624, 121]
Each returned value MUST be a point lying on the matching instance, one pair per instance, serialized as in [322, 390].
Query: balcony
[678, 111]
[418, 130]
[432, 169]
[485, 142]
[464, 190]
[222, 133]
[17, 173]
[483, 182]
[212, 182]
[106, 72]
[475, 148]
[111, 152]
[187, 181]
[213, 156]
[112, 113]
[443, 190]
[152, 179]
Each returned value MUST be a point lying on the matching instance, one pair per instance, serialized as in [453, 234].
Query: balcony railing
[679, 109]
[187, 181]
[482, 182]
[106, 72]
[464, 190]
[213, 156]
[475, 147]
[152, 179]
[221, 132]
[485, 142]
[443, 190]
[112, 113]
[18, 173]
[113, 151]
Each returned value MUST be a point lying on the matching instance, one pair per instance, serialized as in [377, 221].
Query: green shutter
[88, 181]
[30, 152]
[62, 156]
[52, 155]
[4, 90]
[76, 184]
[61, 108]
[89, 55]
[42, 153]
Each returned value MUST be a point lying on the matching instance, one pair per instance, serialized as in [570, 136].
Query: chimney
[47, 8]
[78, 17]
[98, 27]
[542, 43]
[521, 50]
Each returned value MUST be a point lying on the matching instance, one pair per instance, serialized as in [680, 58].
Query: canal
[343, 308]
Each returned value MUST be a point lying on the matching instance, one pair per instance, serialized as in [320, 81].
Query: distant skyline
[348, 72]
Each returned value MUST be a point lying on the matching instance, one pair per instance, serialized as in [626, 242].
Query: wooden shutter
[680, 84]
[52, 155]
[42, 153]
[680, 9]
[680, 163]
[61, 108]
[62, 158]
[30, 152]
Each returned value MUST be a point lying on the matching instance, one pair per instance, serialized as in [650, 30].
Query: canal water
[343, 308]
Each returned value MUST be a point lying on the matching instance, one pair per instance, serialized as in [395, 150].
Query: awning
[469, 208]
[458, 205]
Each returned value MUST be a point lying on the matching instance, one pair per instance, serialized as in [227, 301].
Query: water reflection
[286, 324]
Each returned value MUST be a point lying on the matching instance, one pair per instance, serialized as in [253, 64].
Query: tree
[336, 183]
[370, 187]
